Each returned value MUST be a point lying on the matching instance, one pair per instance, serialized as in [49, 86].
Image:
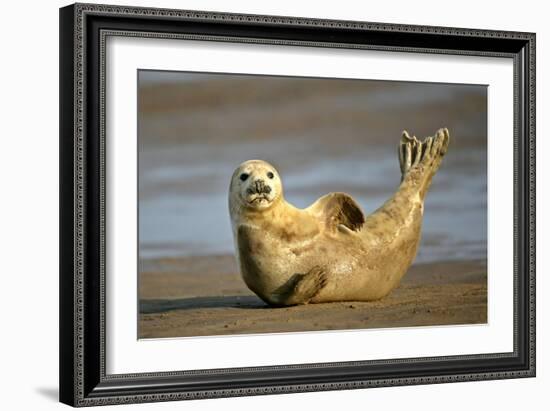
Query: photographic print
[273, 204]
[278, 188]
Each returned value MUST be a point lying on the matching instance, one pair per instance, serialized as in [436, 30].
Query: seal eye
[270, 175]
[243, 176]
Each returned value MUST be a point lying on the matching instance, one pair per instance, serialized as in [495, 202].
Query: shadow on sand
[163, 305]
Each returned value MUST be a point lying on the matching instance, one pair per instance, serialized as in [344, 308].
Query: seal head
[255, 186]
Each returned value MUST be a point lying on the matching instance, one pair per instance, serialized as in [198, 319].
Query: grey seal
[329, 251]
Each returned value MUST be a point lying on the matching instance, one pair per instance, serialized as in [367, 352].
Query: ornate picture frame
[84, 29]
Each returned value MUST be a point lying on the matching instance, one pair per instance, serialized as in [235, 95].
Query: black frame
[83, 30]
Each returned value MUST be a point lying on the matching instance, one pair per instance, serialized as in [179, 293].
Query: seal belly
[369, 265]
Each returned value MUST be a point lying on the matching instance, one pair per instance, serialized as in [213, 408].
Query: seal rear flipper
[300, 288]
[419, 160]
[339, 209]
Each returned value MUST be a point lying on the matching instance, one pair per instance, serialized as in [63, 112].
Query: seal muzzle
[259, 187]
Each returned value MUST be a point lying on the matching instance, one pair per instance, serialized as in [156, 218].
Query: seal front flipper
[300, 288]
[338, 209]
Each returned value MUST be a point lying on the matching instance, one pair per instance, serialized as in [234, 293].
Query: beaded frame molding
[83, 32]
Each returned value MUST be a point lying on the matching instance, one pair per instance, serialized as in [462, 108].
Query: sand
[200, 296]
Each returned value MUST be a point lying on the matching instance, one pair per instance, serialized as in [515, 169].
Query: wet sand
[199, 296]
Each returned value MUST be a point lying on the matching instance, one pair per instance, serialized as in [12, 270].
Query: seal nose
[259, 187]
[262, 187]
